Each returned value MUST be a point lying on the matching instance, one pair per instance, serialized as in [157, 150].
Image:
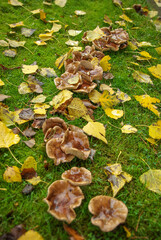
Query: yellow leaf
[94, 96]
[27, 32]
[132, 45]
[74, 33]
[60, 3]
[23, 88]
[29, 163]
[87, 118]
[76, 108]
[43, 15]
[60, 61]
[144, 44]
[152, 14]
[61, 98]
[95, 34]
[1, 83]
[16, 44]
[74, 79]
[95, 129]
[4, 43]
[128, 129]
[107, 100]
[56, 27]
[39, 99]
[19, 24]
[31, 235]
[7, 137]
[155, 130]
[40, 108]
[128, 233]
[106, 87]
[40, 43]
[113, 169]
[79, 12]
[114, 113]
[106, 66]
[156, 71]
[10, 53]
[34, 180]
[152, 180]
[142, 77]
[72, 43]
[144, 56]
[146, 101]
[37, 11]
[126, 18]
[29, 69]
[12, 174]
[45, 36]
[152, 141]
[117, 3]
[107, 20]
[158, 49]
[15, 3]
[122, 97]
[95, 61]
[121, 23]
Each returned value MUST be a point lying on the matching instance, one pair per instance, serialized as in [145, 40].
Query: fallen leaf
[1, 83]
[29, 69]
[48, 72]
[114, 113]
[107, 20]
[117, 3]
[56, 27]
[76, 108]
[3, 43]
[29, 163]
[37, 11]
[142, 77]
[40, 43]
[12, 174]
[45, 36]
[95, 129]
[28, 189]
[15, 3]
[152, 180]
[3, 97]
[73, 234]
[27, 32]
[132, 45]
[155, 130]
[23, 88]
[128, 233]
[152, 14]
[158, 49]
[7, 137]
[126, 18]
[122, 97]
[94, 96]
[121, 23]
[39, 99]
[146, 101]
[61, 98]
[106, 66]
[16, 44]
[144, 44]
[156, 71]
[29, 132]
[107, 100]
[79, 12]
[43, 15]
[19, 24]
[30, 143]
[34, 181]
[157, 23]
[158, 3]
[10, 53]
[95, 34]
[40, 108]
[31, 235]
[72, 43]
[26, 114]
[128, 129]
[152, 141]
[105, 87]
[74, 33]
[60, 3]
[47, 3]
[28, 173]
[60, 61]
[144, 56]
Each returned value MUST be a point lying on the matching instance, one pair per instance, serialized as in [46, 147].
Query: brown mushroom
[119, 36]
[66, 79]
[62, 198]
[55, 132]
[76, 143]
[77, 176]
[86, 87]
[108, 212]
[52, 122]
[54, 151]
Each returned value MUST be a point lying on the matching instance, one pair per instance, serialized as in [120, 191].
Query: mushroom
[68, 81]
[119, 36]
[108, 212]
[55, 132]
[62, 198]
[86, 87]
[54, 151]
[76, 143]
[52, 122]
[77, 176]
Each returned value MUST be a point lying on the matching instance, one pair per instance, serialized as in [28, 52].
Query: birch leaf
[23, 88]
[10, 53]
[155, 130]
[142, 77]
[40, 43]
[31, 235]
[158, 49]
[76, 108]
[126, 18]
[74, 33]
[79, 12]
[15, 3]
[3, 43]
[1, 83]
[60, 61]
[16, 44]
[107, 100]
[152, 180]
[152, 141]
[117, 3]
[105, 87]
[95, 34]
[29, 163]
[114, 113]
[144, 44]
[34, 180]
[61, 98]
[39, 99]
[12, 174]
[128, 129]
[29, 69]
[45, 36]
[48, 72]
[106, 66]
[94, 96]
[7, 137]
[156, 71]
[95, 129]
[72, 43]
[60, 3]
[19, 24]
[122, 97]
[27, 32]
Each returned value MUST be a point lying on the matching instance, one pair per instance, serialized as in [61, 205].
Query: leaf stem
[14, 156]
[114, 126]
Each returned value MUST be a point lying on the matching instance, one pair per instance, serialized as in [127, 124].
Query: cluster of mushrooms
[111, 40]
[65, 195]
[64, 142]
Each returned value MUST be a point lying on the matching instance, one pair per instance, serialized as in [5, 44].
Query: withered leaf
[27, 114]
[3, 97]
[15, 3]
[29, 132]
[60, 3]
[18, 24]
[34, 180]
[27, 189]
[152, 180]
[12, 174]
[74, 235]
[30, 143]
[29, 69]
[48, 72]
[155, 130]
[10, 53]
[76, 108]
[28, 173]
[16, 44]
[31, 234]
[79, 12]
[27, 32]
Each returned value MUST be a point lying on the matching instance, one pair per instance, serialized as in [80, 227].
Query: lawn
[144, 206]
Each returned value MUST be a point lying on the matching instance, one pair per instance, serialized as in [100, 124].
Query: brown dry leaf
[76, 108]
[7, 137]
[152, 180]
[29, 69]
[34, 180]
[60, 3]
[3, 43]
[156, 71]
[30, 143]
[95, 129]
[26, 114]
[146, 101]
[60, 61]
[19, 24]
[16, 44]
[94, 96]
[3, 97]
[106, 66]
[74, 33]
[27, 32]
[61, 98]
[107, 20]
[155, 130]
[73, 234]
[31, 235]
[15, 3]
[29, 132]
[48, 72]
[128, 129]
[142, 77]
[79, 12]
[39, 99]
[12, 174]
[10, 53]
[126, 18]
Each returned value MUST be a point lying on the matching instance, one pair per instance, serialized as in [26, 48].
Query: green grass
[141, 203]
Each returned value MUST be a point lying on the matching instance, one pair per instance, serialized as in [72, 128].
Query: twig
[118, 156]
[113, 125]
[28, 49]
[137, 225]
[14, 156]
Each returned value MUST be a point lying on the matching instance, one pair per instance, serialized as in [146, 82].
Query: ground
[143, 204]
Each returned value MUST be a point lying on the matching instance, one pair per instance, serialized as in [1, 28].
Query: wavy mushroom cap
[52, 122]
[68, 81]
[108, 212]
[62, 198]
[54, 151]
[86, 87]
[55, 132]
[76, 143]
[119, 36]
[78, 176]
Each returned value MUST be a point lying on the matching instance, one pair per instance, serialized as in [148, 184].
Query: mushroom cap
[71, 66]
[76, 143]
[63, 82]
[55, 132]
[108, 212]
[78, 176]
[86, 87]
[52, 122]
[54, 151]
[62, 198]
[119, 36]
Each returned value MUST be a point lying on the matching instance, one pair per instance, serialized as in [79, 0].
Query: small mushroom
[52, 122]
[77, 176]
[108, 212]
[76, 143]
[62, 198]
[54, 151]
